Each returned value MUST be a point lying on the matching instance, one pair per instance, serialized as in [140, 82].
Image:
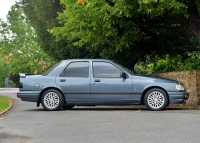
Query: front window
[105, 70]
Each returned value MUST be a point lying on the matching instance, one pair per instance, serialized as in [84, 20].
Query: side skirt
[81, 102]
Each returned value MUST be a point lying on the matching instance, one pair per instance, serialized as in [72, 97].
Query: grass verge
[4, 103]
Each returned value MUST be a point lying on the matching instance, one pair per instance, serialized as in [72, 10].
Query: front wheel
[52, 100]
[156, 99]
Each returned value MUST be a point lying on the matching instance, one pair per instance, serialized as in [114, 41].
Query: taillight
[20, 85]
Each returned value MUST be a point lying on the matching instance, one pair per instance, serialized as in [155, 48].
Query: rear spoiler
[23, 75]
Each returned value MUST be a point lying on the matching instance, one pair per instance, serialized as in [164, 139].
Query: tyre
[68, 107]
[52, 100]
[156, 99]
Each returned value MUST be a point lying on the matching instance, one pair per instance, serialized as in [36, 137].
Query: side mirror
[122, 74]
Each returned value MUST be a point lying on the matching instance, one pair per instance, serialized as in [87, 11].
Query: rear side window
[52, 68]
[76, 69]
[105, 70]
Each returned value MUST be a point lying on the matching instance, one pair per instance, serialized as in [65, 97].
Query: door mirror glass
[122, 74]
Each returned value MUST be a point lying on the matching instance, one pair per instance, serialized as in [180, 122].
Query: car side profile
[90, 82]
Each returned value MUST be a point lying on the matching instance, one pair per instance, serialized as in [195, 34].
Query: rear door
[74, 81]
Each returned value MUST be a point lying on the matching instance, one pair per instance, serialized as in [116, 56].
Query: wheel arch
[149, 88]
[40, 96]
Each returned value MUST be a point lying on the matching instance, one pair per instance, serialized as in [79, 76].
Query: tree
[127, 31]
[44, 19]
[18, 44]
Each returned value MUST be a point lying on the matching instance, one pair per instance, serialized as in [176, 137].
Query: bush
[167, 65]
[5, 70]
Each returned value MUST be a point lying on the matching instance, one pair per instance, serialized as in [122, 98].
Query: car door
[74, 81]
[107, 85]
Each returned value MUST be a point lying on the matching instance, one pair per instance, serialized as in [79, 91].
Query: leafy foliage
[192, 63]
[127, 31]
[5, 70]
[44, 19]
[19, 46]
[177, 64]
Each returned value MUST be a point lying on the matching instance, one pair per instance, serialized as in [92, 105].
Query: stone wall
[191, 80]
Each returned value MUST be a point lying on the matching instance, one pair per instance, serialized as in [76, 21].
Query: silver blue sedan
[83, 82]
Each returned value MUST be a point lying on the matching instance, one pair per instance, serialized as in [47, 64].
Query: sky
[5, 7]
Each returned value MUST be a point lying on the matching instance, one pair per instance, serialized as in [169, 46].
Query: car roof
[67, 60]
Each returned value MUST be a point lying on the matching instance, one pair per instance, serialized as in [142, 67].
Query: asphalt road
[27, 123]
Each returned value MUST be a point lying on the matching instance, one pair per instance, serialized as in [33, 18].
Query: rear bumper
[31, 96]
[177, 97]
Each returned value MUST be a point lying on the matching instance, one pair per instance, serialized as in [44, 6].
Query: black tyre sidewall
[61, 100]
[159, 90]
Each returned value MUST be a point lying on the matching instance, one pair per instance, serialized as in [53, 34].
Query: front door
[107, 86]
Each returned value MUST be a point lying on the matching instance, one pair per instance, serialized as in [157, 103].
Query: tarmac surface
[26, 123]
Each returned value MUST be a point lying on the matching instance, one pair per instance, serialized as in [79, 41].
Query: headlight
[180, 87]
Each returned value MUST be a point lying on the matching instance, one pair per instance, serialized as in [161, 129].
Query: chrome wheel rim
[156, 99]
[51, 100]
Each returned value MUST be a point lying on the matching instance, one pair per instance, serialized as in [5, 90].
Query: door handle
[97, 80]
[62, 80]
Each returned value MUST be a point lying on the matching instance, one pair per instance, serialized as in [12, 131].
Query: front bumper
[177, 97]
[31, 96]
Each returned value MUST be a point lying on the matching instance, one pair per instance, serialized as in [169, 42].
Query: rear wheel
[156, 99]
[52, 100]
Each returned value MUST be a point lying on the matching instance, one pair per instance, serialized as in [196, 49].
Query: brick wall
[191, 79]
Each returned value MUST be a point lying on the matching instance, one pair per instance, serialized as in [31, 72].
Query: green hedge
[5, 70]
